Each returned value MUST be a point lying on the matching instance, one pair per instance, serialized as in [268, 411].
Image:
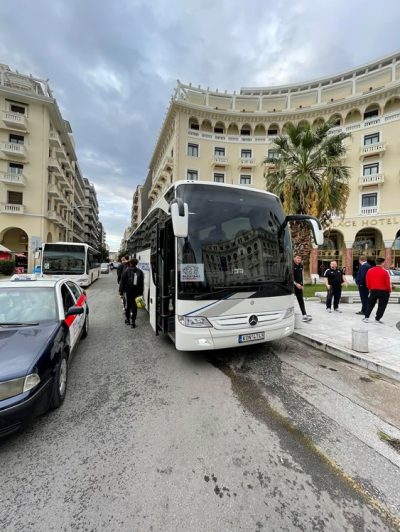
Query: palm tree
[308, 174]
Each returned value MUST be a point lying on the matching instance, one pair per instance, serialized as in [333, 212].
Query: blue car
[41, 322]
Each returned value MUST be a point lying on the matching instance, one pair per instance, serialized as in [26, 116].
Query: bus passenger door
[166, 280]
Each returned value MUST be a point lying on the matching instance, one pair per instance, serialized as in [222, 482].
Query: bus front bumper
[207, 338]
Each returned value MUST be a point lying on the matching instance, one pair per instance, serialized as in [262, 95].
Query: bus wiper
[16, 324]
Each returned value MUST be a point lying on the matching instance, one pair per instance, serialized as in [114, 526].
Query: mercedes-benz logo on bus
[253, 320]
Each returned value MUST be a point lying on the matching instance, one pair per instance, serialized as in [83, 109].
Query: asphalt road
[274, 437]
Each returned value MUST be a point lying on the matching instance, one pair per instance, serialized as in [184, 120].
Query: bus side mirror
[180, 217]
[315, 224]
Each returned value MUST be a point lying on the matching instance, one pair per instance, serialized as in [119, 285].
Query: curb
[348, 355]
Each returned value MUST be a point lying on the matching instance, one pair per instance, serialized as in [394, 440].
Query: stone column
[348, 260]
[314, 261]
[388, 253]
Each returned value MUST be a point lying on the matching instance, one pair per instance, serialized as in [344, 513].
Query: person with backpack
[132, 286]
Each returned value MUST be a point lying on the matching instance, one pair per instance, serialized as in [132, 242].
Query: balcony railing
[369, 211]
[247, 161]
[14, 120]
[54, 165]
[220, 160]
[372, 149]
[54, 140]
[53, 216]
[372, 179]
[12, 148]
[11, 208]
[12, 178]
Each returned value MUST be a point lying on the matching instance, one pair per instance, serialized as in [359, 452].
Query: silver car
[104, 267]
[394, 276]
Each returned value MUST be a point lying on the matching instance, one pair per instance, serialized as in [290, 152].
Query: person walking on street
[362, 284]
[379, 286]
[299, 285]
[132, 286]
[334, 279]
[121, 267]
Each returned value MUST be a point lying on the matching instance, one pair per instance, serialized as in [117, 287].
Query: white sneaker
[337, 310]
[366, 320]
[328, 310]
[309, 318]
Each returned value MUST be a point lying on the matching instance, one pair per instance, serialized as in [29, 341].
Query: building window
[370, 169]
[16, 108]
[15, 168]
[14, 197]
[273, 154]
[245, 179]
[272, 131]
[192, 175]
[219, 152]
[219, 178]
[371, 114]
[369, 200]
[219, 130]
[193, 150]
[371, 139]
[245, 154]
[16, 139]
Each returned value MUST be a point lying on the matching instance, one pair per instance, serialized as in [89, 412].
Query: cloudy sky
[113, 65]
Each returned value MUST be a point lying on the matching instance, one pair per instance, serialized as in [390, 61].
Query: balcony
[247, 162]
[13, 179]
[11, 208]
[372, 149]
[54, 166]
[14, 120]
[220, 160]
[369, 211]
[369, 180]
[168, 163]
[54, 140]
[14, 149]
[53, 216]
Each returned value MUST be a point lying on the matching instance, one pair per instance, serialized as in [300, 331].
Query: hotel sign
[366, 222]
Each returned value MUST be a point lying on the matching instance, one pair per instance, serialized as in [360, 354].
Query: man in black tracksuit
[132, 286]
[299, 285]
[334, 278]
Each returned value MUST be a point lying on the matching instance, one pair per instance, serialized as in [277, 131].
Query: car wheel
[60, 382]
[85, 326]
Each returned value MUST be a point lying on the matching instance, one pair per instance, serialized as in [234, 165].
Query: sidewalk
[333, 333]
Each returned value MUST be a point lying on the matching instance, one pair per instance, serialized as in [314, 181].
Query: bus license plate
[251, 337]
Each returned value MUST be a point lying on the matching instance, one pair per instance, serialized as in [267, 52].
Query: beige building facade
[42, 192]
[225, 137]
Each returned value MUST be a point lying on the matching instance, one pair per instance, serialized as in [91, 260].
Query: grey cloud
[113, 65]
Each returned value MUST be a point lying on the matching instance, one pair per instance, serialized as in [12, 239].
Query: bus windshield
[63, 259]
[235, 244]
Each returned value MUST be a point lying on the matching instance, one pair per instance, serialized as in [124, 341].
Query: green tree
[307, 172]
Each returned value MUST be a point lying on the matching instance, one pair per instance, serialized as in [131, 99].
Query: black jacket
[120, 269]
[132, 281]
[362, 273]
[298, 273]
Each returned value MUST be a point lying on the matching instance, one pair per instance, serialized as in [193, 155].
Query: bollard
[360, 340]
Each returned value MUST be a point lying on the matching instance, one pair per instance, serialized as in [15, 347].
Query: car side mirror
[74, 310]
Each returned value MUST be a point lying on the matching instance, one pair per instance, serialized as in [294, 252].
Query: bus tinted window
[63, 259]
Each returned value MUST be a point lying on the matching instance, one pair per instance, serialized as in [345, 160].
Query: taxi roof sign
[24, 277]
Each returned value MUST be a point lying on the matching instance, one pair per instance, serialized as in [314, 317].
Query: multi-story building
[41, 187]
[92, 224]
[225, 137]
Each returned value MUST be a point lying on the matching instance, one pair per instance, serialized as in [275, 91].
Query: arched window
[273, 130]
[246, 130]
[371, 111]
[219, 128]
[233, 129]
[206, 126]
[353, 116]
[336, 120]
[193, 123]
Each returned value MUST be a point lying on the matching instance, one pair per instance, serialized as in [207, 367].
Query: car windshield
[235, 244]
[104, 264]
[23, 305]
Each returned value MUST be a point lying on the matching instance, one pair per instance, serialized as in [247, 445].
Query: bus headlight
[289, 313]
[194, 321]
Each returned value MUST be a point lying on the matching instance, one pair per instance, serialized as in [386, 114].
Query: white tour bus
[74, 260]
[217, 263]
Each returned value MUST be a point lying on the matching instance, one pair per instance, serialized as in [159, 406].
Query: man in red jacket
[378, 284]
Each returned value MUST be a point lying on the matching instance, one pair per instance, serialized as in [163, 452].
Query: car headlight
[289, 313]
[194, 321]
[14, 387]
